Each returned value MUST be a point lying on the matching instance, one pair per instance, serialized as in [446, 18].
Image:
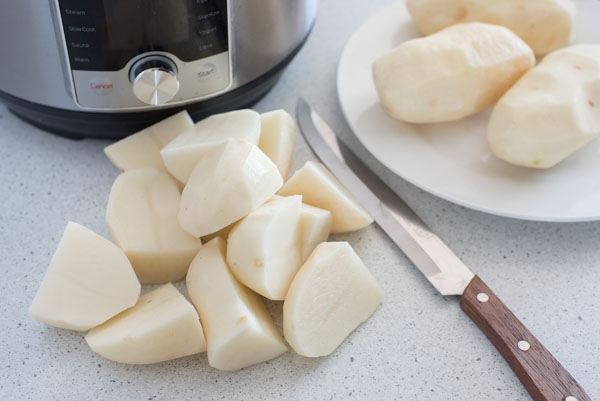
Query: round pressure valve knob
[154, 80]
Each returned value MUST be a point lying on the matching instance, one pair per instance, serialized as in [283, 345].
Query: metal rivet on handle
[524, 346]
[483, 297]
[571, 398]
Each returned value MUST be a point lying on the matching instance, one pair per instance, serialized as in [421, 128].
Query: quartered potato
[332, 294]
[239, 330]
[321, 189]
[227, 184]
[184, 152]
[451, 74]
[551, 112]
[277, 139]
[263, 250]
[258, 243]
[545, 25]
[223, 233]
[89, 280]
[315, 226]
[142, 149]
[162, 326]
[142, 218]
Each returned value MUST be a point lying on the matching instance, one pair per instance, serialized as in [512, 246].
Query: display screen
[132, 22]
[106, 34]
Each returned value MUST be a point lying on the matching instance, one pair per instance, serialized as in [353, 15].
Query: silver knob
[154, 81]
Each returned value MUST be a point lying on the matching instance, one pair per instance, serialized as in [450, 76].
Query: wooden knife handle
[542, 375]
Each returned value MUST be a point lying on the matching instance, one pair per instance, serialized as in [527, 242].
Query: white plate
[452, 160]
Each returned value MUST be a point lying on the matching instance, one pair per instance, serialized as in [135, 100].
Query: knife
[540, 373]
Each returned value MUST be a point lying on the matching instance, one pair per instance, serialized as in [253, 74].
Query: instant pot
[107, 68]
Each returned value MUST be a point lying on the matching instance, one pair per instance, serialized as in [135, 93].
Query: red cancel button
[94, 85]
[101, 86]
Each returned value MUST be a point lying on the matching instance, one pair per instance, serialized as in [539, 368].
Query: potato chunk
[451, 74]
[226, 185]
[330, 296]
[321, 189]
[89, 280]
[545, 25]
[551, 112]
[142, 218]
[239, 330]
[263, 250]
[184, 152]
[163, 325]
[142, 149]
[277, 139]
[315, 226]
[223, 233]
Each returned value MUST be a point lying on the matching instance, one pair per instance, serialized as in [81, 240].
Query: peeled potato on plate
[451, 74]
[551, 112]
[545, 25]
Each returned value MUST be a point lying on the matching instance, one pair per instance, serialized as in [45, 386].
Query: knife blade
[541, 374]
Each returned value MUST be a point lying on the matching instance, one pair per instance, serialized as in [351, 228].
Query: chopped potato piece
[162, 326]
[545, 25]
[223, 233]
[263, 250]
[321, 189]
[315, 226]
[184, 152]
[277, 139]
[332, 294]
[551, 112]
[454, 73]
[239, 330]
[89, 280]
[142, 218]
[142, 149]
[226, 185]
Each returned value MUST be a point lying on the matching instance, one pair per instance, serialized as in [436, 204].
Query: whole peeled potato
[545, 25]
[551, 112]
[451, 74]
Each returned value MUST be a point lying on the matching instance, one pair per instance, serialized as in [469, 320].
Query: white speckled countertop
[417, 346]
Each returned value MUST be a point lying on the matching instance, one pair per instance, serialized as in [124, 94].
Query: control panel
[138, 54]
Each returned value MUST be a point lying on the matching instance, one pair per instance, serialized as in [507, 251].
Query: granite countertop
[417, 346]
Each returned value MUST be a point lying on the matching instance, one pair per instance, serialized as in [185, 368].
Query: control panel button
[154, 80]
[101, 86]
[80, 28]
[206, 71]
